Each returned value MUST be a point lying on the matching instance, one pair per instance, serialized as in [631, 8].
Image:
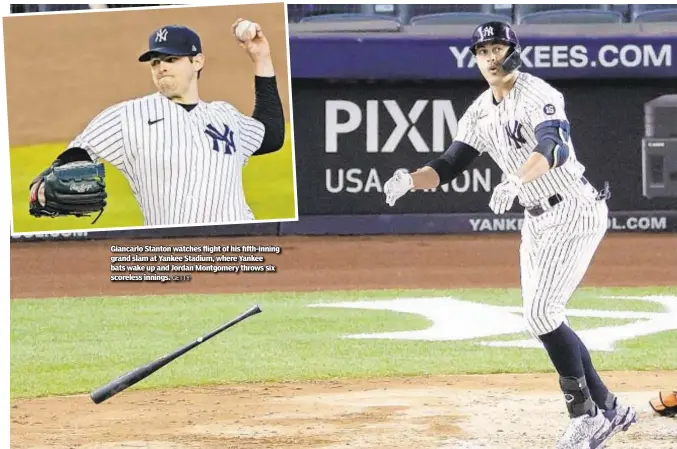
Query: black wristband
[72, 155]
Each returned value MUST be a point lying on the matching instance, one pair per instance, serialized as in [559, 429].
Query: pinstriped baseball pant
[555, 252]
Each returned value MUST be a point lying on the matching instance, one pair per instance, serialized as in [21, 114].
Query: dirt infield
[454, 412]
[459, 412]
[338, 263]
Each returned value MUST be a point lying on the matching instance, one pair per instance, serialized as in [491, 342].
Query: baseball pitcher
[183, 157]
[521, 123]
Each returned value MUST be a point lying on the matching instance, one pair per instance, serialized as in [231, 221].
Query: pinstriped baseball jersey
[507, 133]
[557, 245]
[183, 166]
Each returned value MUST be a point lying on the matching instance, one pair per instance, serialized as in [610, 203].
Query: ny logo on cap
[161, 35]
[486, 32]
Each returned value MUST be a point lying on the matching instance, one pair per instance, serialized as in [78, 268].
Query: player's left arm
[551, 130]
[74, 184]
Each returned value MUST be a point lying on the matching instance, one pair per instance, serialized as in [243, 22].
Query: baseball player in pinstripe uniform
[183, 157]
[521, 123]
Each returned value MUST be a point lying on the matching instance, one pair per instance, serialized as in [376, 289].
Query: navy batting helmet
[499, 32]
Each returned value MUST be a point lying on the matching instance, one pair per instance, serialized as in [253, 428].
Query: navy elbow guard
[559, 155]
[552, 139]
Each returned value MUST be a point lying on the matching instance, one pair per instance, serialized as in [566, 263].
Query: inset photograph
[148, 116]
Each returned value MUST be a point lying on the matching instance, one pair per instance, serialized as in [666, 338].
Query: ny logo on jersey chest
[226, 137]
[513, 129]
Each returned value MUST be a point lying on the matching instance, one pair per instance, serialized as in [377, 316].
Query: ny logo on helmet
[161, 35]
[486, 32]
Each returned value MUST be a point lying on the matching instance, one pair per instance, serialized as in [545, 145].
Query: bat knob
[98, 397]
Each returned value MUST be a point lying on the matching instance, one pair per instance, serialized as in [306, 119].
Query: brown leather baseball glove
[665, 404]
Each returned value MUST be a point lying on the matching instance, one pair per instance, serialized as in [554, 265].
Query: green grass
[27, 162]
[268, 184]
[583, 299]
[75, 345]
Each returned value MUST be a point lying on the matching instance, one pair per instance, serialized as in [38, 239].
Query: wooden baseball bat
[127, 380]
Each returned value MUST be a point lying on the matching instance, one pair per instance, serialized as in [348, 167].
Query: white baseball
[245, 30]
[41, 194]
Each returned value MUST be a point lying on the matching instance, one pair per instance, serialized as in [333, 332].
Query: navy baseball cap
[176, 40]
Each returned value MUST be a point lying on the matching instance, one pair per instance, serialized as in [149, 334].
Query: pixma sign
[358, 139]
[372, 116]
[386, 128]
[349, 139]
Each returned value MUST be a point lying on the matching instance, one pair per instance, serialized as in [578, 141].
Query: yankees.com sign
[354, 139]
[608, 56]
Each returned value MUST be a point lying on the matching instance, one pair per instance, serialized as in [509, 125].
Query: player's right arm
[445, 168]
[268, 113]
[457, 158]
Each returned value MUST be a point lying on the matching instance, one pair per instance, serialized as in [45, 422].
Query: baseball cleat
[621, 418]
[585, 432]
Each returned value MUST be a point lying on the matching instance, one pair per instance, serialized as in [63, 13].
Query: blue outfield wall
[319, 225]
[439, 57]
[460, 223]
